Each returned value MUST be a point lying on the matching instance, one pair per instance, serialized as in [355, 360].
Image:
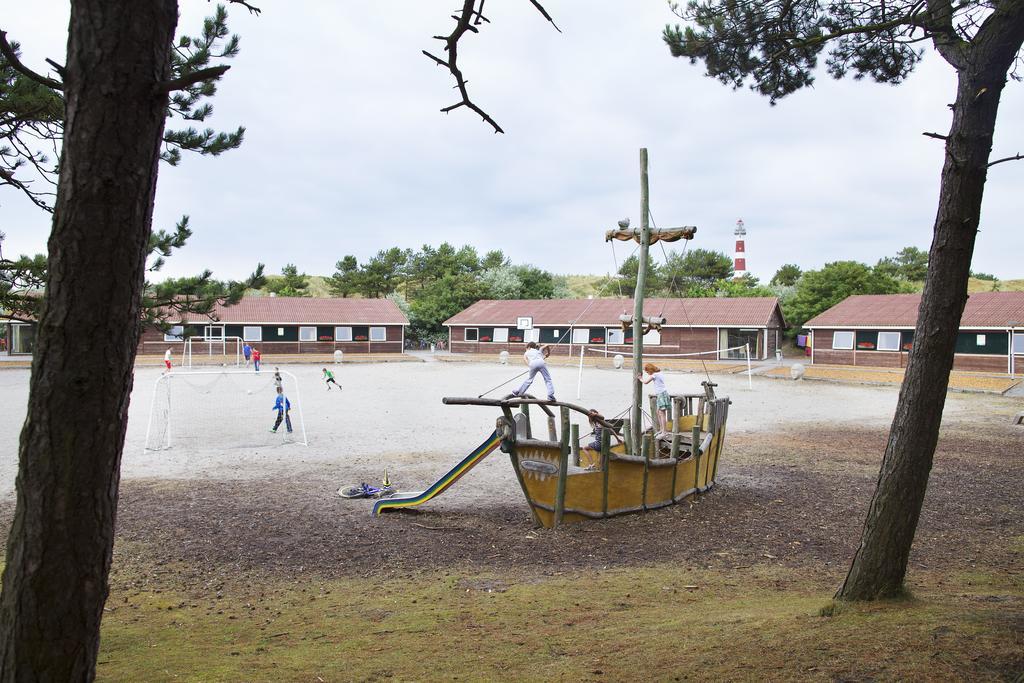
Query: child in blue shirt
[283, 407]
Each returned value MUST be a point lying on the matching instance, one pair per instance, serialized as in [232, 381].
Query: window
[342, 334]
[981, 340]
[500, 334]
[175, 333]
[842, 340]
[532, 335]
[615, 336]
[307, 334]
[653, 337]
[472, 334]
[252, 333]
[378, 334]
[580, 335]
[889, 341]
[1018, 342]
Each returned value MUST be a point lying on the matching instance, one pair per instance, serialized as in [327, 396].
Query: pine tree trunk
[880, 564]
[61, 541]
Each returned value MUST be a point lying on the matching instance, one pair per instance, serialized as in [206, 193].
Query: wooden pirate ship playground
[628, 467]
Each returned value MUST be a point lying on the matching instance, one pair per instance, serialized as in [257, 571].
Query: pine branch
[184, 82]
[8, 52]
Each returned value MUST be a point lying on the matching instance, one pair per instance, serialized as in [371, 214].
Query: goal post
[220, 410]
[212, 350]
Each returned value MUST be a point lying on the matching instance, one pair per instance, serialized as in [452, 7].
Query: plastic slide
[412, 498]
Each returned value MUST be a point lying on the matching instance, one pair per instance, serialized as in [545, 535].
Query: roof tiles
[284, 309]
[680, 312]
[983, 309]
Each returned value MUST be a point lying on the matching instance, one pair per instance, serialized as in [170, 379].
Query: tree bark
[61, 540]
[880, 563]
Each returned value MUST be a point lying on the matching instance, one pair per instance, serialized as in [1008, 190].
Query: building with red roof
[693, 325]
[293, 325]
[878, 330]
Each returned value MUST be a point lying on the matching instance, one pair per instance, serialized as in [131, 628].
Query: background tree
[700, 267]
[502, 282]
[345, 280]
[628, 273]
[494, 259]
[291, 282]
[441, 300]
[537, 283]
[776, 47]
[786, 275]
[909, 264]
[819, 290]
[382, 274]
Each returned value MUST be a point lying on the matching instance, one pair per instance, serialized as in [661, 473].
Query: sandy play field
[391, 415]
[798, 468]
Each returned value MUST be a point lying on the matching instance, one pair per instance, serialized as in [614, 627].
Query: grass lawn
[655, 623]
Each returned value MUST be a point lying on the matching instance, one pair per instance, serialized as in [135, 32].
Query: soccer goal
[224, 351]
[220, 410]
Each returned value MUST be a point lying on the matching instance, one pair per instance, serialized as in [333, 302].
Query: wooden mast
[636, 419]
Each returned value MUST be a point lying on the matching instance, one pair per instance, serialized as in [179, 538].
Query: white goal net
[219, 410]
[225, 351]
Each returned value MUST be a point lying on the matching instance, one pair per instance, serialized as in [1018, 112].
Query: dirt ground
[798, 469]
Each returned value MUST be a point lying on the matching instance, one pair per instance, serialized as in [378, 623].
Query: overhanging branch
[468, 18]
[1015, 157]
[184, 82]
[8, 52]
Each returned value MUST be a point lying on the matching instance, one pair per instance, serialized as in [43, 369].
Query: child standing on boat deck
[661, 391]
[534, 358]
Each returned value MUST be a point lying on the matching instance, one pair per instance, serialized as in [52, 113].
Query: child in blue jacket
[283, 407]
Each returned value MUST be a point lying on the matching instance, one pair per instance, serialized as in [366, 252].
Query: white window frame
[899, 340]
[531, 335]
[853, 338]
[343, 334]
[250, 336]
[500, 335]
[1017, 344]
[476, 334]
[378, 334]
[585, 339]
[652, 338]
[307, 331]
[980, 341]
[172, 336]
[615, 336]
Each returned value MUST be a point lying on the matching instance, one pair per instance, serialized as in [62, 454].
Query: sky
[346, 151]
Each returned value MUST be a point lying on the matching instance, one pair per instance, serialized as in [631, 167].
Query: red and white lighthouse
[740, 260]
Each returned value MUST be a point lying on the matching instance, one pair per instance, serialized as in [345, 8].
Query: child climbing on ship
[661, 391]
[534, 358]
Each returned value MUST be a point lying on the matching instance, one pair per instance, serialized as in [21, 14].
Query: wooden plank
[514, 457]
[525, 410]
[645, 447]
[606, 449]
[677, 404]
[627, 432]
[574, 443]
[563, 468]
[695, 450]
